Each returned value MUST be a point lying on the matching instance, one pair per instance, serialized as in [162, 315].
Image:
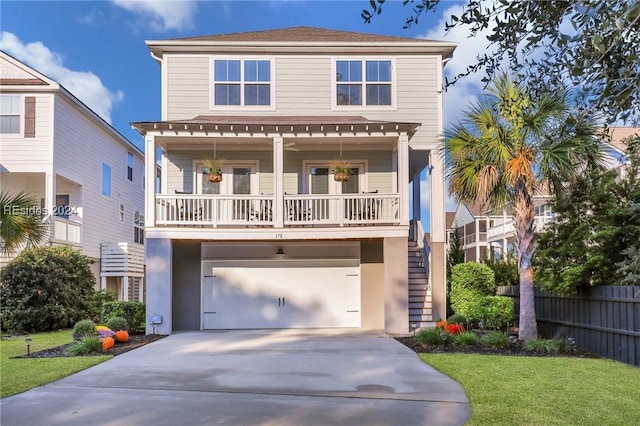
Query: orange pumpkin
[107, 343]
[122, 336]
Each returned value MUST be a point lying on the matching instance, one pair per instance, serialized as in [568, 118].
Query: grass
[518, 390]
[19, 375]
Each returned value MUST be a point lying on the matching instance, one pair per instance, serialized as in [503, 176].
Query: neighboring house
[278, 242]
[88, 177]
[484, 232]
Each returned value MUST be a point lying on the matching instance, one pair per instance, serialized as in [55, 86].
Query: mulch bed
[135, 341]
[515, 350]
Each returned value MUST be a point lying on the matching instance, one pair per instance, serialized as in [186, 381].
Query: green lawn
[518, 390]
[19, 375]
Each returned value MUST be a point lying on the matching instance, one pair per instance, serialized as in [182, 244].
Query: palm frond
[21, 225]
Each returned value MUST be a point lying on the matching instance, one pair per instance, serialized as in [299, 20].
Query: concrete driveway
[253, 377]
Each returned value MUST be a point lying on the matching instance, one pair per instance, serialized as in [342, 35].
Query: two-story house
[278, 239]
[88, 177]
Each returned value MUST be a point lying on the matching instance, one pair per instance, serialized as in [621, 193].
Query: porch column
[437, 264]
[150, 177]
[416, 197]
[396, 285]
[158, 258]
[403, 175]
[477, 230]
[50, 201]
[278, 186]
[103, 283]
[125, 288]
[141, 290]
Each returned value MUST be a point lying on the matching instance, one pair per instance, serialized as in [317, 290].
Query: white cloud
[163, 15]
[460, 95]
[85, 85]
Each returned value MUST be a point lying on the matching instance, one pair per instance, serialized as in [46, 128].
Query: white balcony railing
[506, 229]
[258, 210]
[66, 230]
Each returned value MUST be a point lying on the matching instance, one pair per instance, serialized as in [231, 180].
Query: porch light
[28, 341]
[280, 253]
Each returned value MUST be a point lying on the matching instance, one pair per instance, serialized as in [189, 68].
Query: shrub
[469, 283]
[457, 319]
[495, 312]
[466, 338]
[117, 324]
[46, 288]
[102, 297]
[505, 270]
[497, 339]
[134, 312]
[86, 346]
[429, 336]
[551, 346]
[85, 328]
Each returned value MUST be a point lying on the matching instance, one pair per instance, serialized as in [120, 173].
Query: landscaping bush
[454, 329]
[551, 346]
[46, 288]
[133, 312]
[85, 328]
[117, 324]
[505, 270]
[467, 338]
[429, 336]
[457, 319]
[469, 283]
[102, 297]
[495, 312]
[86, 346]
[497, 339]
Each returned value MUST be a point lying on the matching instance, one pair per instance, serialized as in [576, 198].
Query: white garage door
[278, 295]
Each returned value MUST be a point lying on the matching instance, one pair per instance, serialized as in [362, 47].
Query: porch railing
[506, 229]
[66, 230]
[299, 210]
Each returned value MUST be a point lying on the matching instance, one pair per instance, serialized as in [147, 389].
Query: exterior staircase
[419, 291]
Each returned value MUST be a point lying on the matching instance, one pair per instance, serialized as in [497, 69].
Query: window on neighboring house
[242, 82]
[130, 166]
[138, 228]
[106, 180]
[121, 212]
[9, 114]
[363, 82]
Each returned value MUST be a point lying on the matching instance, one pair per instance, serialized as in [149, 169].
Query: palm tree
[20, 224]
[506, 148]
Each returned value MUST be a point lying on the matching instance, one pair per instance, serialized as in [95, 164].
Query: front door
[320, 181]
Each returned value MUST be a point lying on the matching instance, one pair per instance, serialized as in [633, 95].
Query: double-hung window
[9, 114]
[242, 82]
[130, 166]
[363, 83]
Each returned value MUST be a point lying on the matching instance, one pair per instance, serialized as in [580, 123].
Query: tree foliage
[21, 224]
[596, 238]
[455, 254]
[470, 282]
[593, 44]
[45, 288]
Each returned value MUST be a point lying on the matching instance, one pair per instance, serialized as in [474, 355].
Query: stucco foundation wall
[186, 285]
[372, 285]
[396, 286]
[438, 280]
[158, 281]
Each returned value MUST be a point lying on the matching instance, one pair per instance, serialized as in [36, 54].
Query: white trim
[364, 106]
[21, 114]
[225, 187]
[242, 106]
[164, 88]
[335, 187]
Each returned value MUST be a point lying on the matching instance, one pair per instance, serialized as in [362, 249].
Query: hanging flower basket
[213, 169]
[341, 177]
[341, 170]
[214, 177]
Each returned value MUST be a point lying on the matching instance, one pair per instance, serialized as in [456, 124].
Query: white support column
[417, 205]
[278, 182]
[403, 177]
[150, 176]
[103, 283]
[50, 200]
[125, 288]
[477, 238]
[141, 290]
[438, 256]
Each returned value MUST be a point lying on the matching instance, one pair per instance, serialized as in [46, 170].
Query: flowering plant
[105, 332]
[455, 328]
[441, 324]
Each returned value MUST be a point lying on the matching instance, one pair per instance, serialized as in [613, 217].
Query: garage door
[278, 295]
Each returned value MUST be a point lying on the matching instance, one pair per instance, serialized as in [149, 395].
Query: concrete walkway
[253, 377]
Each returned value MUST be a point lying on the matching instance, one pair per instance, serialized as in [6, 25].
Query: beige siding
[19, 154]
[303, 86]
[81, 146]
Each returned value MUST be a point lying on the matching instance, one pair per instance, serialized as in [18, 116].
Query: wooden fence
[603, 320]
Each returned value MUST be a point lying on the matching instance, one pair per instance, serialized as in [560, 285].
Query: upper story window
[9, 114]
[106, 180]
[242, 82]
[363, 82]
[130, 166]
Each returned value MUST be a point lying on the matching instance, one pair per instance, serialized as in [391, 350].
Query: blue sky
[96, 49]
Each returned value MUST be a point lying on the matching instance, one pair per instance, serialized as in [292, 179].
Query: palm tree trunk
[524, 227]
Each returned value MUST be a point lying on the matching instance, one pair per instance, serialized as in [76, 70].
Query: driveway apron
[251, 377]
